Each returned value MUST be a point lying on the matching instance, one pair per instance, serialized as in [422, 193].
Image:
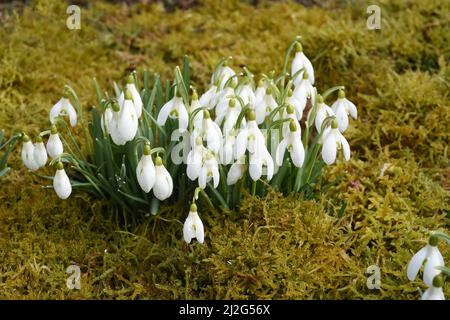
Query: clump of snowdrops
[152, 141]
[435, 271]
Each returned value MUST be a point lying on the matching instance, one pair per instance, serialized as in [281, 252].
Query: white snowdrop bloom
[195, 159]
[124, 122]
[433, 257]
[226, 153]
[260, 91]
[323, 111]
[236, 171]
[145, 170]
[40, 153]
[195, 104]
[293, 143]
[210, 132]
[61, 182]
[163, 187]
[54, 144]
[106, 119]
[222, 75]
[193, 226]
[342, 108]
[136, 97]
[246, 93]
[209, 171]
[289, 113]
[265, 106]
[175, 109]
[28, 153]
[64, 107]
[304, 91]
[333, 140]
[301, 61]
[435, 292]
[298, 106]
[259, 159]
[249, 137]
[209, 98]
[228, 114]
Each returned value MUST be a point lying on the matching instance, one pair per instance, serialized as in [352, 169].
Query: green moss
[274, 247]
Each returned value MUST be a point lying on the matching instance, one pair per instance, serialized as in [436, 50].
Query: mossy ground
[275, 247]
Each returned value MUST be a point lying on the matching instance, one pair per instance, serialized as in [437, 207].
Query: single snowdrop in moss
[236, 172]
[175, 109]
[145, 170]
[333, 140]
[265, 106]
[40, 153]
[54, 144]
[323, 111]
[28, 153]
[435, 291]
[432, 257]
[193, 226]
[163, 187]
[61, 182]
[64, 107]
[342, 108]
[293, 143]
[301, 62]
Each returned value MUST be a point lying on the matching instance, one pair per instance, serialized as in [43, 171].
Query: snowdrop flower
[209, 170]
[259, 159]
[145, 170]
[236, 171]
[195, 104]
[293, 143]
[435, 292]
[249, 138]
[64, 107]
[163, 187]
[323, 111]
[106, 119]
[136, 97]
[61, 182]
[301, 61]
[226, 153]
[208, 99]
[28, 153]
[193, 226]
[229, 113]
[433, 258]
[264, 106]
[260, 90]
[40, 154]
[222, 75]
[54, 144]
[245, 92]
[333, 140]
[209, 131]
[289, 113]
[195, 159]
[304, 91]
[124, 121]
[341, 108]
[175, 109]
[299, 106]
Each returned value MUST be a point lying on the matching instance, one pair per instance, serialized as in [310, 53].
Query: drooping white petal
[329, 148]
[281, 149]
[345, 146]
[342, 118]
[241, 143]
[183, 116]
[207, 99]
[106, 119]
[297, 152]
[70, 110]
[203, 177]
[194, 163]
[416, 262]
[188, 228]
[323, 111]
[163, 187]
[145, 173]
[434, 259]
[165, 111]
[28, 156]
[127, 124]
[199, 229]
[351, 108]
[54, 146]
[61, 184]
[137, 100]
[55, 111]
[255, 167]
[40, 154]
[236, 172]
[433, 293]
